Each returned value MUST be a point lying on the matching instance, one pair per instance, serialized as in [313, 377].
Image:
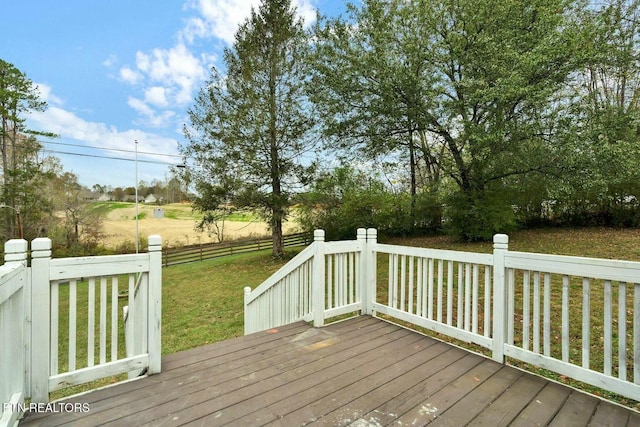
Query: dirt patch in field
[177, 230]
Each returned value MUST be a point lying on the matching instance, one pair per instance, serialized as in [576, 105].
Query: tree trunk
[276, 184]
[412, 162]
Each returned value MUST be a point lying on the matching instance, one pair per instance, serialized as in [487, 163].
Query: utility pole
[17, 211]
[136, 196]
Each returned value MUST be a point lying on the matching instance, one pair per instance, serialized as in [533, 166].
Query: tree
[251, 129]
[82, 223]
[21, 167]
[369, 77]
[479, 82]
[609, 115]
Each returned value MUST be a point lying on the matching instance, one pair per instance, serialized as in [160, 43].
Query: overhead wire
[109, 149]
[124, 159]
[98, 156]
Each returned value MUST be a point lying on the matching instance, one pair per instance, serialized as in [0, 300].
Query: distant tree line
[169, 191]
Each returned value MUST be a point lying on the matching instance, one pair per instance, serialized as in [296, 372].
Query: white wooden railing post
[154, 321]
[318, 279]
[500, 297]
[40, 319]
[248, 325]
[370, 272]
[13, 338]
[363, 278]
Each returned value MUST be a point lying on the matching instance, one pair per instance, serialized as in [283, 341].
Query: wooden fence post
[318, 279]
[154, 322]
[500, 297]
[40, 319]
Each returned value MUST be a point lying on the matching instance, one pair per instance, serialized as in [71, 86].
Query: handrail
[286, 269]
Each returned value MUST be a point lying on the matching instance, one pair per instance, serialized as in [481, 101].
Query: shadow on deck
[359, 372]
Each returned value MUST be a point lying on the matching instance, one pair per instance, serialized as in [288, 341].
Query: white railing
[445, 291]
[284, 298]
[334, 268]
[13, 329]
[68, 311]
[579, 317]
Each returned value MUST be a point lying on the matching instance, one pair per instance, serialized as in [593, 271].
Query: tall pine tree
[251, 128]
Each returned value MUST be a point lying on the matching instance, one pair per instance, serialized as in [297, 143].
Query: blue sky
[117, 71]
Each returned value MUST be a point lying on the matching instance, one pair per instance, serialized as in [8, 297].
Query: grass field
[177, 226]
[203, 302]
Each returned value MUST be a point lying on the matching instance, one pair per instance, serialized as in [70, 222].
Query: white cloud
[69, 126]
[221, 18]
[150, 116]
[46, 94]
[156, 95]
[110, 61]
[130, 76]
[177, 68]
[168, 76]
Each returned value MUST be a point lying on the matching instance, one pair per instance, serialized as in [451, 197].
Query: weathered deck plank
[359, 372]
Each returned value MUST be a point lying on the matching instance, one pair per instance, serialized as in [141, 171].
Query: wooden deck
[359, 372]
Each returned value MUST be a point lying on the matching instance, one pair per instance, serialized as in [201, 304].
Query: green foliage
[478, 87]
[345, 200]
[478, 216]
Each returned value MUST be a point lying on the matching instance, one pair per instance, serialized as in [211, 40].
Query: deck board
[358, 372]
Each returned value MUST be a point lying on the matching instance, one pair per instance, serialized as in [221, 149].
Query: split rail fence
[193, 253]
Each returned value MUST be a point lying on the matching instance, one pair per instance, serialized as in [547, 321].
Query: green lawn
[203, 302]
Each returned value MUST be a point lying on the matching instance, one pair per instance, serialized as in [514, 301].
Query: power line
[107, 157]
[109, 149]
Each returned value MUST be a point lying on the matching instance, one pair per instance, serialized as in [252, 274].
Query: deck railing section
[13, 330]
[284, 298]
[445, 291]
[334, 268]
[60, 320]
[579, 317]
[79, 297]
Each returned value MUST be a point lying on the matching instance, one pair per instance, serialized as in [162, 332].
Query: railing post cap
[41, 244]
[372, 234]
[361, 233]
[500, 241]
[15, 250]
[247, 290]
[154, 242]
[318, 235]
[15, 246]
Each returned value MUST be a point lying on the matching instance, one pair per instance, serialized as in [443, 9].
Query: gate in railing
[60, 320]
[579, 317]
